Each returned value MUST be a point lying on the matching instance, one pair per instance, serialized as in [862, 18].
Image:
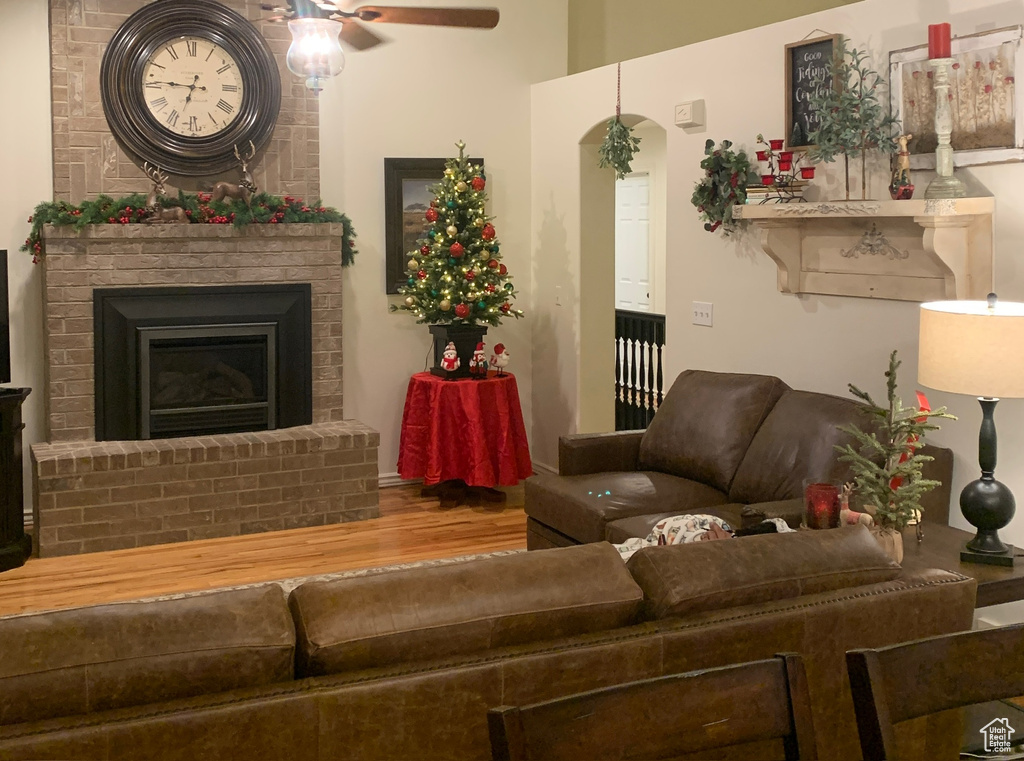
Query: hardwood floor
[410, 528]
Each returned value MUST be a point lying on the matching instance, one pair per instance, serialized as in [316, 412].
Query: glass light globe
[315, 52]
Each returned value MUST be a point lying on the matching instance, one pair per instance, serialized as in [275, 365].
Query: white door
[633, 253]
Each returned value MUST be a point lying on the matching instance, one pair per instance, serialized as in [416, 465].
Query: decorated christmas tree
[456, 275]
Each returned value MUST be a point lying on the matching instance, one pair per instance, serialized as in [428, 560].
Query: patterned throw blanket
[683, 529]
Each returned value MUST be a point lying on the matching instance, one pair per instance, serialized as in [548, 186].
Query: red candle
[786, 156]
[767, 179]
[938, 41]
[821, 502]
[785, 165]
[776, 145]
[762, 156]
[807, 172]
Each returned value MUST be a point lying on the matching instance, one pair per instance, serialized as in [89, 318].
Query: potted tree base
[465, 338]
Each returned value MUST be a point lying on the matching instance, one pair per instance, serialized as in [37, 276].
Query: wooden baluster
[660, 381]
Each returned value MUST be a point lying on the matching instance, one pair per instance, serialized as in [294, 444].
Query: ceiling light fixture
[315, 53]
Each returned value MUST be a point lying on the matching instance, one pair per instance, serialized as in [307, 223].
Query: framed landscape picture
[407, 196]
[988, 123]
[805, 62]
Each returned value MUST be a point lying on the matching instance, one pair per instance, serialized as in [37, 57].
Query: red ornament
[424, 250]
[490, 288]
[431, 215]
[471, 275]
[422, 274]
[502, 269]
[505, 307]
[461, 311]
[478, 184]
[457, 250]
[488, 232]
[493, 264]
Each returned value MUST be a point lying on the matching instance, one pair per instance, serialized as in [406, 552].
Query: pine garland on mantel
[265, 209]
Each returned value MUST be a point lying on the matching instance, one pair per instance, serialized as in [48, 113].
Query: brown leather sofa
[737, 446]
[405, 664]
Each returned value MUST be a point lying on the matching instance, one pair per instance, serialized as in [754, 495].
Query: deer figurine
[245, 189]
[155, 213]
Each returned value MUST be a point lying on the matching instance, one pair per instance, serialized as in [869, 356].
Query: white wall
[813, 342]
[417, 96]
[27, 170]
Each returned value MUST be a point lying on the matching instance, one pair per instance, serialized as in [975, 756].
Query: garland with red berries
[264, 209]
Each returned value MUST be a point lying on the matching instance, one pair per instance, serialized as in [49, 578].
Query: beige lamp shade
[966, 347]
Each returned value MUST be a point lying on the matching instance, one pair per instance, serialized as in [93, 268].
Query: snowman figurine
[478, 363]
[500, 358]
[450, 358]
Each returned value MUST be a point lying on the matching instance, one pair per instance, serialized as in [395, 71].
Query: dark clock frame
[124, 101]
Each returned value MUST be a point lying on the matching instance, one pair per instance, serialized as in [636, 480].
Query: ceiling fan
[358, 37]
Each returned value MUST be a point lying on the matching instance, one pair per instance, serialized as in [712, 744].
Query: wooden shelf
[917, 250]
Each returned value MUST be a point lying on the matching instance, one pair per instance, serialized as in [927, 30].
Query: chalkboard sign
[805, 61]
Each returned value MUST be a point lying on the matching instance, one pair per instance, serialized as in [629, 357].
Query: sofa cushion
[112, 656]
[796, 441]
[703, 428]
[640, 526]
[683, 579]
[580, 506]
[461, 608]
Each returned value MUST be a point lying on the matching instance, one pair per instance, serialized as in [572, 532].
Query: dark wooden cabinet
[15, 545]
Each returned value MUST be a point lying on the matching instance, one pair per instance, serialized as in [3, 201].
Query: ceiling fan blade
[358, 36]
[478, 18]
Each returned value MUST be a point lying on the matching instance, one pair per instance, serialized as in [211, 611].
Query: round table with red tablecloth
[466, 429]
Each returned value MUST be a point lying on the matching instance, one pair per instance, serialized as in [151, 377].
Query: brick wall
[88, 161]
[139, 255]
[119, 494]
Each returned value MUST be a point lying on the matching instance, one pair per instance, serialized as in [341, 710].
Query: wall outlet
[703, 313]
[558, 295]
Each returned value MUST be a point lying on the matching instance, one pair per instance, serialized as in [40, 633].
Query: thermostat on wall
[690, 114]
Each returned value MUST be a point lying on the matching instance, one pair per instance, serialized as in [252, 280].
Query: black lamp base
[1003, 559]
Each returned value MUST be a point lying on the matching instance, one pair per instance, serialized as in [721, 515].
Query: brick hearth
[105, 495]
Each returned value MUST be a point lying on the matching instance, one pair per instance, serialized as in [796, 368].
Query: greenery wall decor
[723, 185]
[619, 144]
[853, 119]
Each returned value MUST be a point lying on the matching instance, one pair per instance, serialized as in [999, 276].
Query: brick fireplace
[99, 495]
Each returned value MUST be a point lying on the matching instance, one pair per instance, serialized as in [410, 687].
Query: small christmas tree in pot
[887, 466]
[456, 281]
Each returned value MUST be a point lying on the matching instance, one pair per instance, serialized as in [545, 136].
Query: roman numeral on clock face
[170, 49]
[224, 106]
[224, 68]
[159, 103]
[172, 118]
[229, 88]
[193, 124]
[192, 47]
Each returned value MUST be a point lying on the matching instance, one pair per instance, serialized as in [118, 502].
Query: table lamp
[977, 348]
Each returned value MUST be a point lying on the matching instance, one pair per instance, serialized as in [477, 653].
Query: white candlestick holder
[945, 185]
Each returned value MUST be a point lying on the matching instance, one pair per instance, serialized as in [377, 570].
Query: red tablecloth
[464, 429]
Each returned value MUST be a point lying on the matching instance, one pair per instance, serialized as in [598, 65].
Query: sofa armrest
[790, 510]
[584, 453]
[936, 502]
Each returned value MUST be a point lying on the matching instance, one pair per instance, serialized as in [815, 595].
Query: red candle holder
[786, 156]
[784, 165]
[762, 156]
[807, 173]
[821, 505]
[767, 179]
[776, 145]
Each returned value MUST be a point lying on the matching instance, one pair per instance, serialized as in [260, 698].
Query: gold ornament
[452, 231]
[413, 264]
[461, 186]
[473, 295]
[478, 222]
[439, 237]
[445, 305]
[449, 172]
[410, 301]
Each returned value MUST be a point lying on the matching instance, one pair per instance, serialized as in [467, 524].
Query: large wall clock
[185, 81]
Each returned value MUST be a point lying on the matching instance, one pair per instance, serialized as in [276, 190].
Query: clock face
[192, 86]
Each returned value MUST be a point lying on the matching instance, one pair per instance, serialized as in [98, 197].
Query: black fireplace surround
[190, 361]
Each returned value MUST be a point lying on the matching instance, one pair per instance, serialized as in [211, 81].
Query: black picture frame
[802, 58]
[401, 174]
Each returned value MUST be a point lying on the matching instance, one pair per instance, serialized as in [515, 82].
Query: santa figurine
[478, 363]
[500, 358]
[450, 358]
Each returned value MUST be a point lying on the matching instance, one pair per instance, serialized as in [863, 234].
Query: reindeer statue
[245, 189]
[155, 213]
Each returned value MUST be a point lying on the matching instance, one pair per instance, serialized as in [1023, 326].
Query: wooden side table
[464, 430]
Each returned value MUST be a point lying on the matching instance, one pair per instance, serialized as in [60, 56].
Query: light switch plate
[703, 313]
